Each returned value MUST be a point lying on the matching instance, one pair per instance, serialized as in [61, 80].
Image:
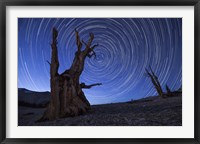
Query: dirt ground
[151, 111]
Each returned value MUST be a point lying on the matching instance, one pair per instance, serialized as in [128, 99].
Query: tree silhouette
[67, 97]
[155, 81]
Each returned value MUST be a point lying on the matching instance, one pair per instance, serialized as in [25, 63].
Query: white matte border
[184, 131]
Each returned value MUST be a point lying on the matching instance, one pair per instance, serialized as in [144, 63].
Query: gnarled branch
[155, 77]
[83, 85]
[78, 41]
[94, 46]
[48, 62]
[88, 45]
[156, 83]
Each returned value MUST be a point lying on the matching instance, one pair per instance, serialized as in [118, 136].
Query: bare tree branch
[156, 78]
[90, 41]
[78, 41]
[89, 86]
[94, 46]
[155, 81]
[84, 42]
[48, 62]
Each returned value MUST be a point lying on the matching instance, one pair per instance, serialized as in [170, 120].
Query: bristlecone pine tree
[155, 81]
[67, 97]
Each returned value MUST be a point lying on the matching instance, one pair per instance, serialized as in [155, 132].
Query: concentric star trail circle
[126, 47]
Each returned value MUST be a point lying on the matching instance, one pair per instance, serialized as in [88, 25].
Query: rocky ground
[151, 111]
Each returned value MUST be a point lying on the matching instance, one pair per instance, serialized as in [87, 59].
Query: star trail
[126, 47]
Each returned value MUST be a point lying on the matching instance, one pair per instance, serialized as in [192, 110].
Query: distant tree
[155, 81]
[67, 97]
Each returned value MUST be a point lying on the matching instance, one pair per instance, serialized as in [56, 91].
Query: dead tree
[67, 97]
[155, 81]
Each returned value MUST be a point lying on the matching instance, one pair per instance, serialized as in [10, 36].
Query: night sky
[126, 47]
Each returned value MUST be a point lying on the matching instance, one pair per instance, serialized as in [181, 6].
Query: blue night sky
[126, 47]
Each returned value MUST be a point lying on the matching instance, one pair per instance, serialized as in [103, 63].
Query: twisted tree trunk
[67, 97]
[156, 83]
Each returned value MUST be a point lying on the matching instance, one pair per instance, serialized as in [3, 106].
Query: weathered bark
[155, 81]
[89, 86]
[67, 97]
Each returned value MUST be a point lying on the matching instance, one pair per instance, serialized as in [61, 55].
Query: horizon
[102, 103]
